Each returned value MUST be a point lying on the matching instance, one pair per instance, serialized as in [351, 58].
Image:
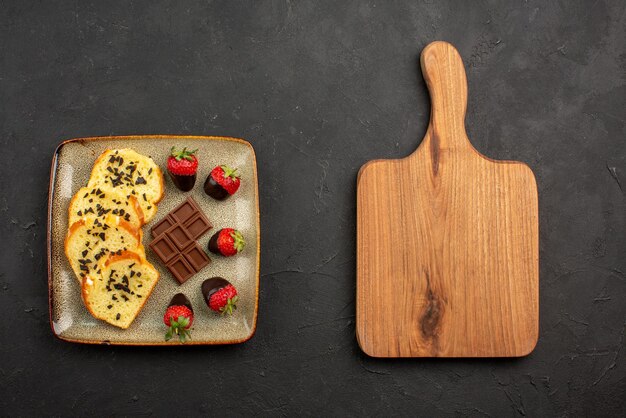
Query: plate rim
[53, 172]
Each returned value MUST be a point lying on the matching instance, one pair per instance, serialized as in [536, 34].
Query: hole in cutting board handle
[443, 71]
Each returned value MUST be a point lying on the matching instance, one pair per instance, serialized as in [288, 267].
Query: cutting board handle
[444, 74]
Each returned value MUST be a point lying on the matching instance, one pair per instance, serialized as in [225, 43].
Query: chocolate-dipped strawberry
[222, 182]
[182, 166]
[220, 295]
[227, 242]
[178, 317]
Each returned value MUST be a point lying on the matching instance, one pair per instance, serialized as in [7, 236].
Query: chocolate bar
[174, 240]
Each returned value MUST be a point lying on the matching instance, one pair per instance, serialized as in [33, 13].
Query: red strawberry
[220, 295]
[178, 317]
[222, 182]
[227, 242]
[182, 166]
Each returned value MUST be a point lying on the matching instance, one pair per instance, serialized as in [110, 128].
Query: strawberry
[220, 295]
[182, 166]
[222, 182]
[227, 242]
[179, 318]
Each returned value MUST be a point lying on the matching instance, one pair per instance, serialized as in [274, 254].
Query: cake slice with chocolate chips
[96, 202]
[132, 174]
[118, 293]
[90, 239]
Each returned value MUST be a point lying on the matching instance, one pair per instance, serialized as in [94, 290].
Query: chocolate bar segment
[179, 236]
[185, 210]
[181, 269]
[175, 238]
[198, 225]
[196, 256]
[162, 226]
[164, 248]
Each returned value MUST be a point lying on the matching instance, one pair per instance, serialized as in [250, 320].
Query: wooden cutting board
[447, 240]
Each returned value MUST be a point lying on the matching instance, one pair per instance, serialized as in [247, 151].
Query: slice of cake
[91, 238]
[118, 293]
[96, 202]
[132, 174]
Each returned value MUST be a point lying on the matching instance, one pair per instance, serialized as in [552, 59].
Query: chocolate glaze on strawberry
[184, 183]
[213, 189]
[213, 247]
[222, 182]
[212, 285]
[226, 242]
[180, 300]
[182, 166]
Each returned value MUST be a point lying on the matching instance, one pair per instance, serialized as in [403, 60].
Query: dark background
[319, 88]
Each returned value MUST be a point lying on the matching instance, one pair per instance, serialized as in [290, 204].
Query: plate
[71, 167]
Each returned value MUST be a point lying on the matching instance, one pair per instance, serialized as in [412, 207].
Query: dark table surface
[319, 88]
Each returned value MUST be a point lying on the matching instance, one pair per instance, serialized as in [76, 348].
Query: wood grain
[447, 240]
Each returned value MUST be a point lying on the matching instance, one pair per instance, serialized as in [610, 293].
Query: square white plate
[71, 167]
